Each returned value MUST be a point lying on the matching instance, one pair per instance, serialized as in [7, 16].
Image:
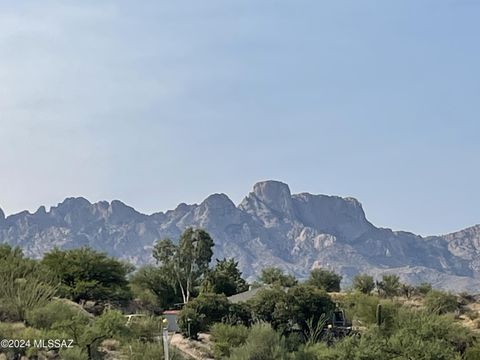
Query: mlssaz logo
[53, 343]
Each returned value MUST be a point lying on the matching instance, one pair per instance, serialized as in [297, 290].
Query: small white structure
[171, 316]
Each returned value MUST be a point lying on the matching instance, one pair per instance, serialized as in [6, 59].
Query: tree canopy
[324, 279]
[275, 276]
[225, 278]
[86, 274]
[186, 262]
[363, 283]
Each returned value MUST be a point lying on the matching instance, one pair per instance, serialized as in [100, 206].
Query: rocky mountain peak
[41, 211]
[271, 227]
[72, 204]
[218, 201]
[122, 211]
[2, 216]
[275, 195]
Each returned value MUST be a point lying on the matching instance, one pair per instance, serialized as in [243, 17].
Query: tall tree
[389, 286]
[86, 274]
[225, 278]
[275, 276]
[154, 281]
[324, 279]
[363, 283]
[186, 262]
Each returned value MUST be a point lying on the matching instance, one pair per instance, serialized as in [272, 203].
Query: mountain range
[270, 227]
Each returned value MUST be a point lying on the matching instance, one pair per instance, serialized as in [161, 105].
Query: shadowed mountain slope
[269, 227]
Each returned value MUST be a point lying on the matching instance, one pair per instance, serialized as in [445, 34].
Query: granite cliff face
[269, 227]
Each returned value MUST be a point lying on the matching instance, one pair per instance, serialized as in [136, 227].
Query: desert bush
[191, 322]
[54, 314]
[238, 314]
[324, 279]
[146, 328]
[225, 337]
[363, 283]
[74, 353]
[262, 343]
[423, 288]
[138, 350]
[473, 352]
[412, 335]
[306, 306]
[389, 286]
[201, 312]
[440, 302]
[286, 310]
[26, 284]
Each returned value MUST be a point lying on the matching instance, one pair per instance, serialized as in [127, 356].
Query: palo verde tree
[186, 262]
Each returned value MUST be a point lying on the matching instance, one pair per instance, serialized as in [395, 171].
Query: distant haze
[159, 102]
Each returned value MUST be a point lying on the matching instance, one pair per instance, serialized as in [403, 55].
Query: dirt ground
[195, 349]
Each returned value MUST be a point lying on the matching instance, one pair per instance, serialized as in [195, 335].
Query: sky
[161, 102]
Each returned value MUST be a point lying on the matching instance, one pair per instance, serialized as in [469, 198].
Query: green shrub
[225, 337]
[262, 343]
[412, 335]
[389, 286]
[276, 277]
[54, 313]
[138, 350]
[201, 312]
[360, 307]
[146, 328]
[291, 309]
[191, 322]
[74, 353]
[25, 284]
[265, 307]
[363, 283]
[319, 351]
[306, 306]
[473, 352]
[238, 314]
[423, 288]
[440, 302]
[324, 279]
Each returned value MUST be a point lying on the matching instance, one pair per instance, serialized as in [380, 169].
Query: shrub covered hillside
[76, 298]
[83, 296]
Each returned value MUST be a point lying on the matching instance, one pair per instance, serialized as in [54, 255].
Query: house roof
[244, 296]
[171, 312]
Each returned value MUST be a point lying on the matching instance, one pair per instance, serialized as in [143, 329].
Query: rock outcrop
[269, 227]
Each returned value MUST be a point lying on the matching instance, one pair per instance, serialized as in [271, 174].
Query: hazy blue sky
[161, 102]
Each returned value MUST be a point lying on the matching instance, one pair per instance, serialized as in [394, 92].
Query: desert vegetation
[84, 295]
